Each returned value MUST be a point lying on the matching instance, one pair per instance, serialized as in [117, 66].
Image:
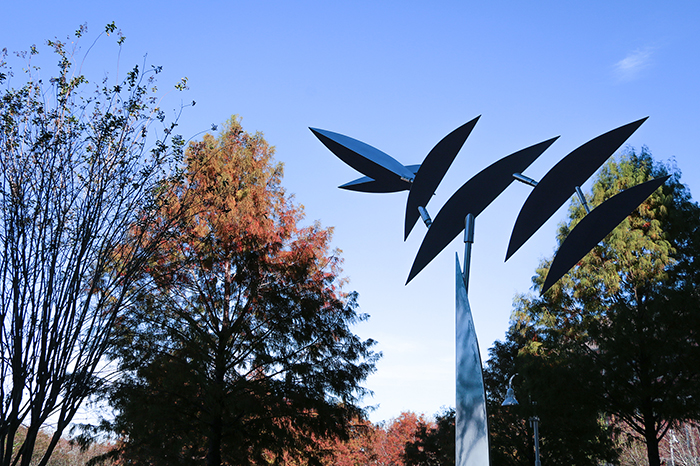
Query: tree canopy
[78, 168]
[239, 348]
[619, 335]
[435, 442]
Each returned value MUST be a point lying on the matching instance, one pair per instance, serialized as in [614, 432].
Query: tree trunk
[218, 387]
[214, 453]
[651, 440]
[216, 425]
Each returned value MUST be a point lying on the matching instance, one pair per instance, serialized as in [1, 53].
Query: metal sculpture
[385, 174]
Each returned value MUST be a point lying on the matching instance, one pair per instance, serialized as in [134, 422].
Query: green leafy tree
[239, 349]
[78, 168]
[510, 441]
[625, 322]
[571, 428]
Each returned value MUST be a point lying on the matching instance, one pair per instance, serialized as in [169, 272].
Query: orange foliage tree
[392, 438]
[435, 442]
[239, 348]
[381, 445]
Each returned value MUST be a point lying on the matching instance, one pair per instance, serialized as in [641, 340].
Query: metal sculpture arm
[561, 182]
[432, 171]
[595, 226]
[385, 174]
[369, 185]
[388, 174]
[472, 198]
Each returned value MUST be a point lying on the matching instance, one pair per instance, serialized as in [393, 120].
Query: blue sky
[400, 76]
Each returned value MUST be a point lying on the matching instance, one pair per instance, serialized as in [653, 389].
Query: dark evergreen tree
[556, 392]
[620, 334]
[510, 440]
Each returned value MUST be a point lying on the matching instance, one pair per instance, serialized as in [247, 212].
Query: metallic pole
[534, 422]
[468, 241]
[471, 428]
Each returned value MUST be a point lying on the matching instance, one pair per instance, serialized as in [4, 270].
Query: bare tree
[80, 173]
[682, 446]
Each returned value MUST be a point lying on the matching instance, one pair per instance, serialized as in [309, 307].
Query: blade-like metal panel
[473, 197]
[433, 170]
[364, 158]
[368, 185]
[595, 226]
[471, 424]
[560, 182]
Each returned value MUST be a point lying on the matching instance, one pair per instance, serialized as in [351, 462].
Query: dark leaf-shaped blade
[595, 226]
[366, 159]
[559, 184]
[473, 197]
[368, 185]
[433, 170]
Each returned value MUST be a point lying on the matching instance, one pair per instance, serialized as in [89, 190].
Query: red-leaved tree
[239, 349]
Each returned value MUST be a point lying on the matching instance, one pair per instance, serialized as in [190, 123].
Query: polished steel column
[471, 428]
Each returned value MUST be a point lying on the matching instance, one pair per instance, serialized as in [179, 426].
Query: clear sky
[400, 76]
